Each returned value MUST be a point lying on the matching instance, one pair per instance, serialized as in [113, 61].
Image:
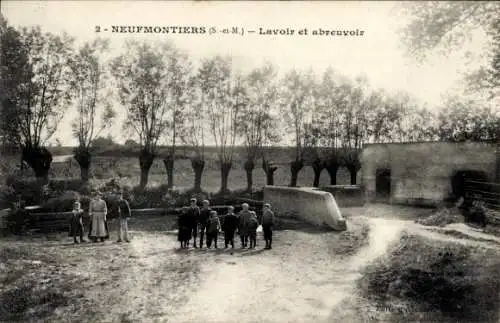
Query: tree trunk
[249, 167]
[169, 166]
[498, 162]
[318, 165]
[269, 169]
[145, 162]
[198, 165]
[225, 168]
[295, 168]
[84, 159]
[332, 168]
[39, 159]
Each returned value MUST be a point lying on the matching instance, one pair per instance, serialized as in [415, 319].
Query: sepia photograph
[249, 161]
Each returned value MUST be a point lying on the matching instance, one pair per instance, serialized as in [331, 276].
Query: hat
[192, 200]
[267, 205]
[206, 202]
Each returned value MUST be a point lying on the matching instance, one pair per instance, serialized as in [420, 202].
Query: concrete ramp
[308, 204]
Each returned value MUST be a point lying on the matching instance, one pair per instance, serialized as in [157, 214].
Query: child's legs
[120, 230]
[209, 240]
[125, 228]
[80, 227]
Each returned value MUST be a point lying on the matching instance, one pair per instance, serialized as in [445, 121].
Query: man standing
[124, 214]
[203, 220]
[267, 225]
[193, 213]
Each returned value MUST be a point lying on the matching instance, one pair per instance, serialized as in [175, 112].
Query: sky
[378, 53]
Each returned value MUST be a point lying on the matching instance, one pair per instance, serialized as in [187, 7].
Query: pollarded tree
[14, 61]
[37, 88]
[355, 127]
[332, 100]
[297, 100]
[88, 89]
[179, 70]
[194, 126]
[256, 123]
[142, 79]
[224, 97]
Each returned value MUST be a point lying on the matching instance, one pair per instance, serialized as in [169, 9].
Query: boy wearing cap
[244, 218]
[253, 224]
[267, 225]
[193, 213]
[213, 227]
[76, 227]
[124, 213]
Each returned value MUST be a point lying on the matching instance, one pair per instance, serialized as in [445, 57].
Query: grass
[35, 285]
[423, 280]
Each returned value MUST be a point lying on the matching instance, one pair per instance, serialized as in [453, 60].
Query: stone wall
[421, 172]
[346, 195]
[308, 204]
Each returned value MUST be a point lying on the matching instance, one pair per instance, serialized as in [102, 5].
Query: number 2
[97, 29]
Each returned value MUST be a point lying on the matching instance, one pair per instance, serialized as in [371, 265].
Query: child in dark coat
[203, 220]
[76, 224]
[267, 225]
[213, 227]
[184, 234]
[229, 226]
[252, 225]
[193, 215]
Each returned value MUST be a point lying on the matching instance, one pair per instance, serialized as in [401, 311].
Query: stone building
[423, 173]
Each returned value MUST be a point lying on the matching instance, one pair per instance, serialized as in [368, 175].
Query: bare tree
[355, 126]
[256, 120]
[142, 76]
[332, 100]
[38, 93]
[223, 96]
[194, 135]
[88, 91]
[296, 100]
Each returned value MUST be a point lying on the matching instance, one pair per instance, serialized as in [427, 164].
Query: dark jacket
[124, 211]
[204, 216]
[230, 222]
[213, 224]
[193, 215]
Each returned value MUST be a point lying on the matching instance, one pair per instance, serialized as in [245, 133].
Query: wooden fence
[59, 221]
[486, 192]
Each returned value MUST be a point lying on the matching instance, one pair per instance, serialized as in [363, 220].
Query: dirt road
[150, 280]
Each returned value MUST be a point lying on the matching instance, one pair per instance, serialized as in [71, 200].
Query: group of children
[207, 222]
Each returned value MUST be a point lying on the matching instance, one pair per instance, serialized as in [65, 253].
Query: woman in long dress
[97, 212]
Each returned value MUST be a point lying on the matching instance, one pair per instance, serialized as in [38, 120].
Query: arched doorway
[383, 184]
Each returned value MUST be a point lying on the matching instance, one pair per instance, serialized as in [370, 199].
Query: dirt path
[299, 282]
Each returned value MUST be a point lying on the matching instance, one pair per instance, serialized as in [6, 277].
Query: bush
[7, 196]
[18, 221]
[62, 203]
[27, 189]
